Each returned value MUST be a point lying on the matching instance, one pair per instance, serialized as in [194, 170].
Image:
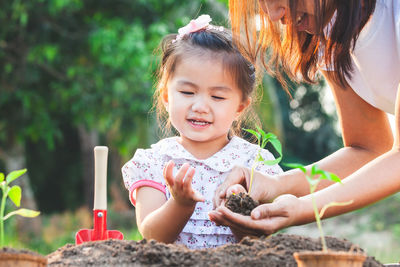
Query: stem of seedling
[316, 175]
[262, 140]
[2, 208]
[313, 187]
[319, 225]
[252, 171]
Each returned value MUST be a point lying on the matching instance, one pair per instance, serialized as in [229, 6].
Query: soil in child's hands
[241, 203]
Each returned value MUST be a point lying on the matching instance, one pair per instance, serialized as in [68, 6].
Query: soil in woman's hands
[241, 203]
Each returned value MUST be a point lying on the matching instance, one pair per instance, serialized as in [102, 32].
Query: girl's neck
[203, 150]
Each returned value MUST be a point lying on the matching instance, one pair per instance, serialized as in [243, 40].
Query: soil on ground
[241, 203]
[273, 251]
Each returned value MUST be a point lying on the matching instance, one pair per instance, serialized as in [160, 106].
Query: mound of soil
[241, 203]
[273, 251]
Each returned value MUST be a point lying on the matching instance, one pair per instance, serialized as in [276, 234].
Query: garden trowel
[100, 231]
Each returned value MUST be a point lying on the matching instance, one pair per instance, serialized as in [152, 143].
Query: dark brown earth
[273, 251]
[241, 203]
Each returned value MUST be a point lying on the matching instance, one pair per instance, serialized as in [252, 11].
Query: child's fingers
[179, 178]
[168, 173]
[187, 186]
[187, 182]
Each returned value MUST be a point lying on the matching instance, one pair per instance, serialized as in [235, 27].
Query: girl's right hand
[180, 186]
[264, 187]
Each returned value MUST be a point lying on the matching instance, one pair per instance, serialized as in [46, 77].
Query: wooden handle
[100, 177]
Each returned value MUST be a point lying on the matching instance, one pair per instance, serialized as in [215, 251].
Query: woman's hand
[264, 187]
[180, 186]
[266, 219]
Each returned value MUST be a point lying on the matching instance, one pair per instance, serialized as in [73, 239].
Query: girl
[356, 46]
[204, 87]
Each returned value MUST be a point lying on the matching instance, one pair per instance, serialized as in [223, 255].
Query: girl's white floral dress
[146, 169]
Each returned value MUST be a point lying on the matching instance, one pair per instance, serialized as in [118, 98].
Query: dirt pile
[274, 251]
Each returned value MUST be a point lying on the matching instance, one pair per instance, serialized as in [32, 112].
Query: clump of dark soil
[273, 251]
[241, 203]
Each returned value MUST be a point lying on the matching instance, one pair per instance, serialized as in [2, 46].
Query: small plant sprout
[13, 193]
[316, 175]
[262, 140]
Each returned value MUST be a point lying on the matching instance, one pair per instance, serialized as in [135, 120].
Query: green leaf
[296, 166]
[277, 146]
[260, 130]
[253, 133]
[1, 177]
[333, 177]
[324, 175]
[15, 195]
[14, 175]
[23, 213]
[272, 161]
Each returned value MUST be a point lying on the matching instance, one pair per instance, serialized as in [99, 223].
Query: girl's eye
[218, 97]
[186, 92]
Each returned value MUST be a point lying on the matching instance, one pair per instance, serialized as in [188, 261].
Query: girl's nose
[275, 9]
[200, 105]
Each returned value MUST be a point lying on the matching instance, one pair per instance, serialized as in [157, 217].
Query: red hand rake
[100, 231]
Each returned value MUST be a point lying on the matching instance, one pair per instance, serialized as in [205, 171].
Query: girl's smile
[199, 123]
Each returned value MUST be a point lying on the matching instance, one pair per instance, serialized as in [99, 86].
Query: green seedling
[13, 193]
[316, 175]
[262, 140]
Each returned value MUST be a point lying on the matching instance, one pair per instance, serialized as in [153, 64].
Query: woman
[356, 46]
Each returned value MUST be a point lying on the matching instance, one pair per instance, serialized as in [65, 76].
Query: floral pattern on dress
[199, 232]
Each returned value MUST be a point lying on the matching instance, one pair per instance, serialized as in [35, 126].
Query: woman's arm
[374, 181]
[366, 135]
[158, 218]
[377, 179]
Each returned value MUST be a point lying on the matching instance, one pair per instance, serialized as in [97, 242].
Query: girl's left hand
[180, 186]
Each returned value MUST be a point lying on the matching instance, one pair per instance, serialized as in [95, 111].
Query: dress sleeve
[268, 169]
[144, 169]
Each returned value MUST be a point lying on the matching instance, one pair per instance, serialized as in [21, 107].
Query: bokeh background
[75, 74]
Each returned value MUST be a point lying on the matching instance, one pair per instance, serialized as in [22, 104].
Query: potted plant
[242, 203]
[326, 258]
[9, 256]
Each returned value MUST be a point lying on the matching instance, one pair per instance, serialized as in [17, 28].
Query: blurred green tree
[75, 74]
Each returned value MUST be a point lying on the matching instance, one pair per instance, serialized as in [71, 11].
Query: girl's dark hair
[297, 53]
[217, 41]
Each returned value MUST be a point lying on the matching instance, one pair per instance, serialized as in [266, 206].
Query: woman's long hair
[284, 50]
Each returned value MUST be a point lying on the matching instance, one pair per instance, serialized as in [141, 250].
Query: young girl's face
[203, 100]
